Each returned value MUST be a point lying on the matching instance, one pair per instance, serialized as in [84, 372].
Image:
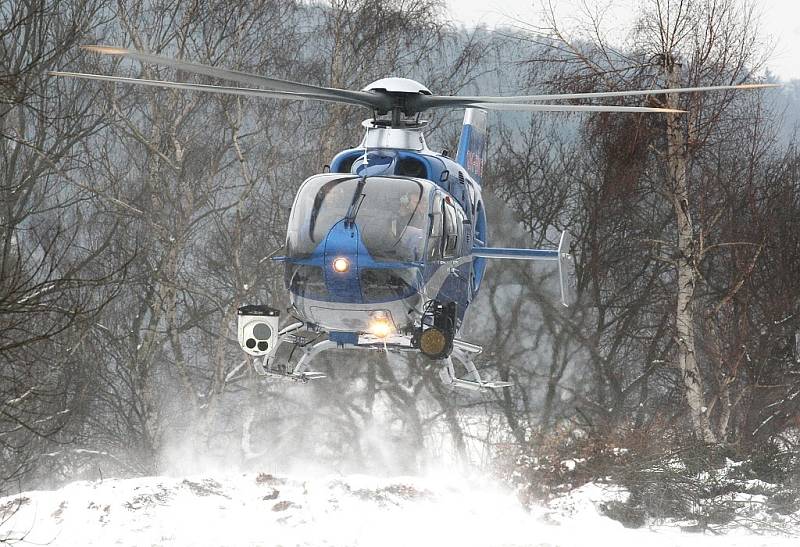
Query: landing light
[380, 326]
[341, 265]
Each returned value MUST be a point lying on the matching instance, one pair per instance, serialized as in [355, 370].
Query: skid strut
[300, 372]
[461, 352]
[265, 365]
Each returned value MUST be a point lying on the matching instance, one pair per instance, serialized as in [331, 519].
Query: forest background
[134, 222]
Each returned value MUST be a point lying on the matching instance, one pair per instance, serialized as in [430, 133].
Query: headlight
[341, 264]
[380, 325]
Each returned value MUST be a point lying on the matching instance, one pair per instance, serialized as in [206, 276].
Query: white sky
[780, 21]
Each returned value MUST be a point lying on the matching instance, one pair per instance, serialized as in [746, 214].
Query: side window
[451, 231]
[346, 164]
[436, 225]
[437, 229]
[411, 167]
[471, 197]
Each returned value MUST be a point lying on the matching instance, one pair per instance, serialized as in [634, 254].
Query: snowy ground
[260, 509]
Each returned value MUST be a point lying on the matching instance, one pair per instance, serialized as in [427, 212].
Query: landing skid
[267, 366]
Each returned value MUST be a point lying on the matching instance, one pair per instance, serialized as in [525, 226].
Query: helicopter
[387, 247]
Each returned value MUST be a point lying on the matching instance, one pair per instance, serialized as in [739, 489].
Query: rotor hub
[398, 85]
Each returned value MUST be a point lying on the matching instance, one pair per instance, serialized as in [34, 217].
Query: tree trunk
[677, 165]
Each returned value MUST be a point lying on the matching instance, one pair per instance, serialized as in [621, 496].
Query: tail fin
[472, 145]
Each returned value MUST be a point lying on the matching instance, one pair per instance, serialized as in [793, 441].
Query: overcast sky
[780, 21]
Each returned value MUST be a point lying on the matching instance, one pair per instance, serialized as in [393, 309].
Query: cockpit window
[306, 281]
[393, 219]
[411, 167]
[376, 163]
[384, 163]
[391, 215]
[346, 164]
[383, 285]
[327, 206]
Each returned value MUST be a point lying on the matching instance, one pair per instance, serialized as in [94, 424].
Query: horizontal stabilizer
[518, 254]
[566, 262]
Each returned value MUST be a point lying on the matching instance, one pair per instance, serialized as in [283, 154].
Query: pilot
[405, 224]
[400, 217]
[408, 204]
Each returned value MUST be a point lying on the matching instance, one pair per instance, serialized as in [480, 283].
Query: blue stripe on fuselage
[343, 241]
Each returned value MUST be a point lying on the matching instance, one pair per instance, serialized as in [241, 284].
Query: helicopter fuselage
[372, 243]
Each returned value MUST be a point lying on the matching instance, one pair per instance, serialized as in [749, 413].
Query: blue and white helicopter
[387, 248]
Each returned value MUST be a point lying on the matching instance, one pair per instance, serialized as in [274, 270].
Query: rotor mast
[403, 94]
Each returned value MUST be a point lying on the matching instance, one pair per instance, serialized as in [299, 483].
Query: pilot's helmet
[408, 202]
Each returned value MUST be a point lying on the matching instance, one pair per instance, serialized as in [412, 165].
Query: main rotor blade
[433, 101]
[263, 93]
[569, 108]
[353, 97]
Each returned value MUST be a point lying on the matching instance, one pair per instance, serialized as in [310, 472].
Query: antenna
[366, 145]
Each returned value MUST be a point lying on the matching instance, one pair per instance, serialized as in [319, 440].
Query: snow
[571, 464]
[262, 509]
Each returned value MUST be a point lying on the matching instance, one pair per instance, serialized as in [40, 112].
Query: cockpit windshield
[390, 212]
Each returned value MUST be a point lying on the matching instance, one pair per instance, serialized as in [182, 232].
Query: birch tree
[679, 43]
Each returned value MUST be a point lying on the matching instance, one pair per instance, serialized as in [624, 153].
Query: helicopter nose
[341, 263]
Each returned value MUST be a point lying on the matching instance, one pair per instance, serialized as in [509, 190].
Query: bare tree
[679, 44]
[55, 272]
